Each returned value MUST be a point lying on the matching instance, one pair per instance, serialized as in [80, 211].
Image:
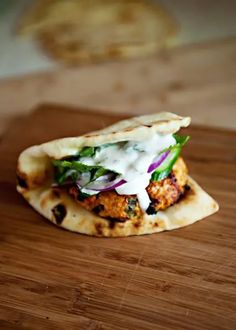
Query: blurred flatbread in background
[77, 31]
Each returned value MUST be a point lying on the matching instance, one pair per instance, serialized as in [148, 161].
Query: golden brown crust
[110, 205]
[166, 192]
[180, 171]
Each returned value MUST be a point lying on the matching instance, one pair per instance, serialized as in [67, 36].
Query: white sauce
[132, 160]
[143, 199]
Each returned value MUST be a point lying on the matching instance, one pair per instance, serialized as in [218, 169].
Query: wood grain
[54, 279]
[197, 80]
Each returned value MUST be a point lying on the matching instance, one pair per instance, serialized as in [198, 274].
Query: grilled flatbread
[35, 172]
[76, 31]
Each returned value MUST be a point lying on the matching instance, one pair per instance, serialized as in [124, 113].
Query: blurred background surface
[197, 20]
[180, 58]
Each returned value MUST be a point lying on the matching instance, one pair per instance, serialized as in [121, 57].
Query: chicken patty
[117, 207]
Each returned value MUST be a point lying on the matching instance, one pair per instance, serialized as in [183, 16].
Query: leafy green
[99, 172]
[87, 152]
[66, 164]
[158, 176]
[73, 169]
[165, 168]
[181, 139]
[167, 165]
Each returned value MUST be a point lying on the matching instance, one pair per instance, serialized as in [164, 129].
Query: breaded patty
[162, 193]
[166, 192]
[110, 205]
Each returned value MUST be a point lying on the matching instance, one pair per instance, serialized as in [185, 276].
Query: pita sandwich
[126, 179]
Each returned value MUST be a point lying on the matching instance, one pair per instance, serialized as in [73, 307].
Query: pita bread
[36, 176]
[76, 31]
[195, 205]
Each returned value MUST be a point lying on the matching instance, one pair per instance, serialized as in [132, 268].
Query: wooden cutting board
[54, 279]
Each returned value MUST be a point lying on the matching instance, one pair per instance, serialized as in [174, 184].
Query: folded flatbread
[84, 165]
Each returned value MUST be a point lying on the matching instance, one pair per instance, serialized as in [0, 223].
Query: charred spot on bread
[112, 224]
[151, 209]
[59, 213]
[187, 187]
[99, 228]
[22, 182]
[137, 224]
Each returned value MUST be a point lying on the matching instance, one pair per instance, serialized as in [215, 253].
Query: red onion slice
[103, 183]
[157, 161]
